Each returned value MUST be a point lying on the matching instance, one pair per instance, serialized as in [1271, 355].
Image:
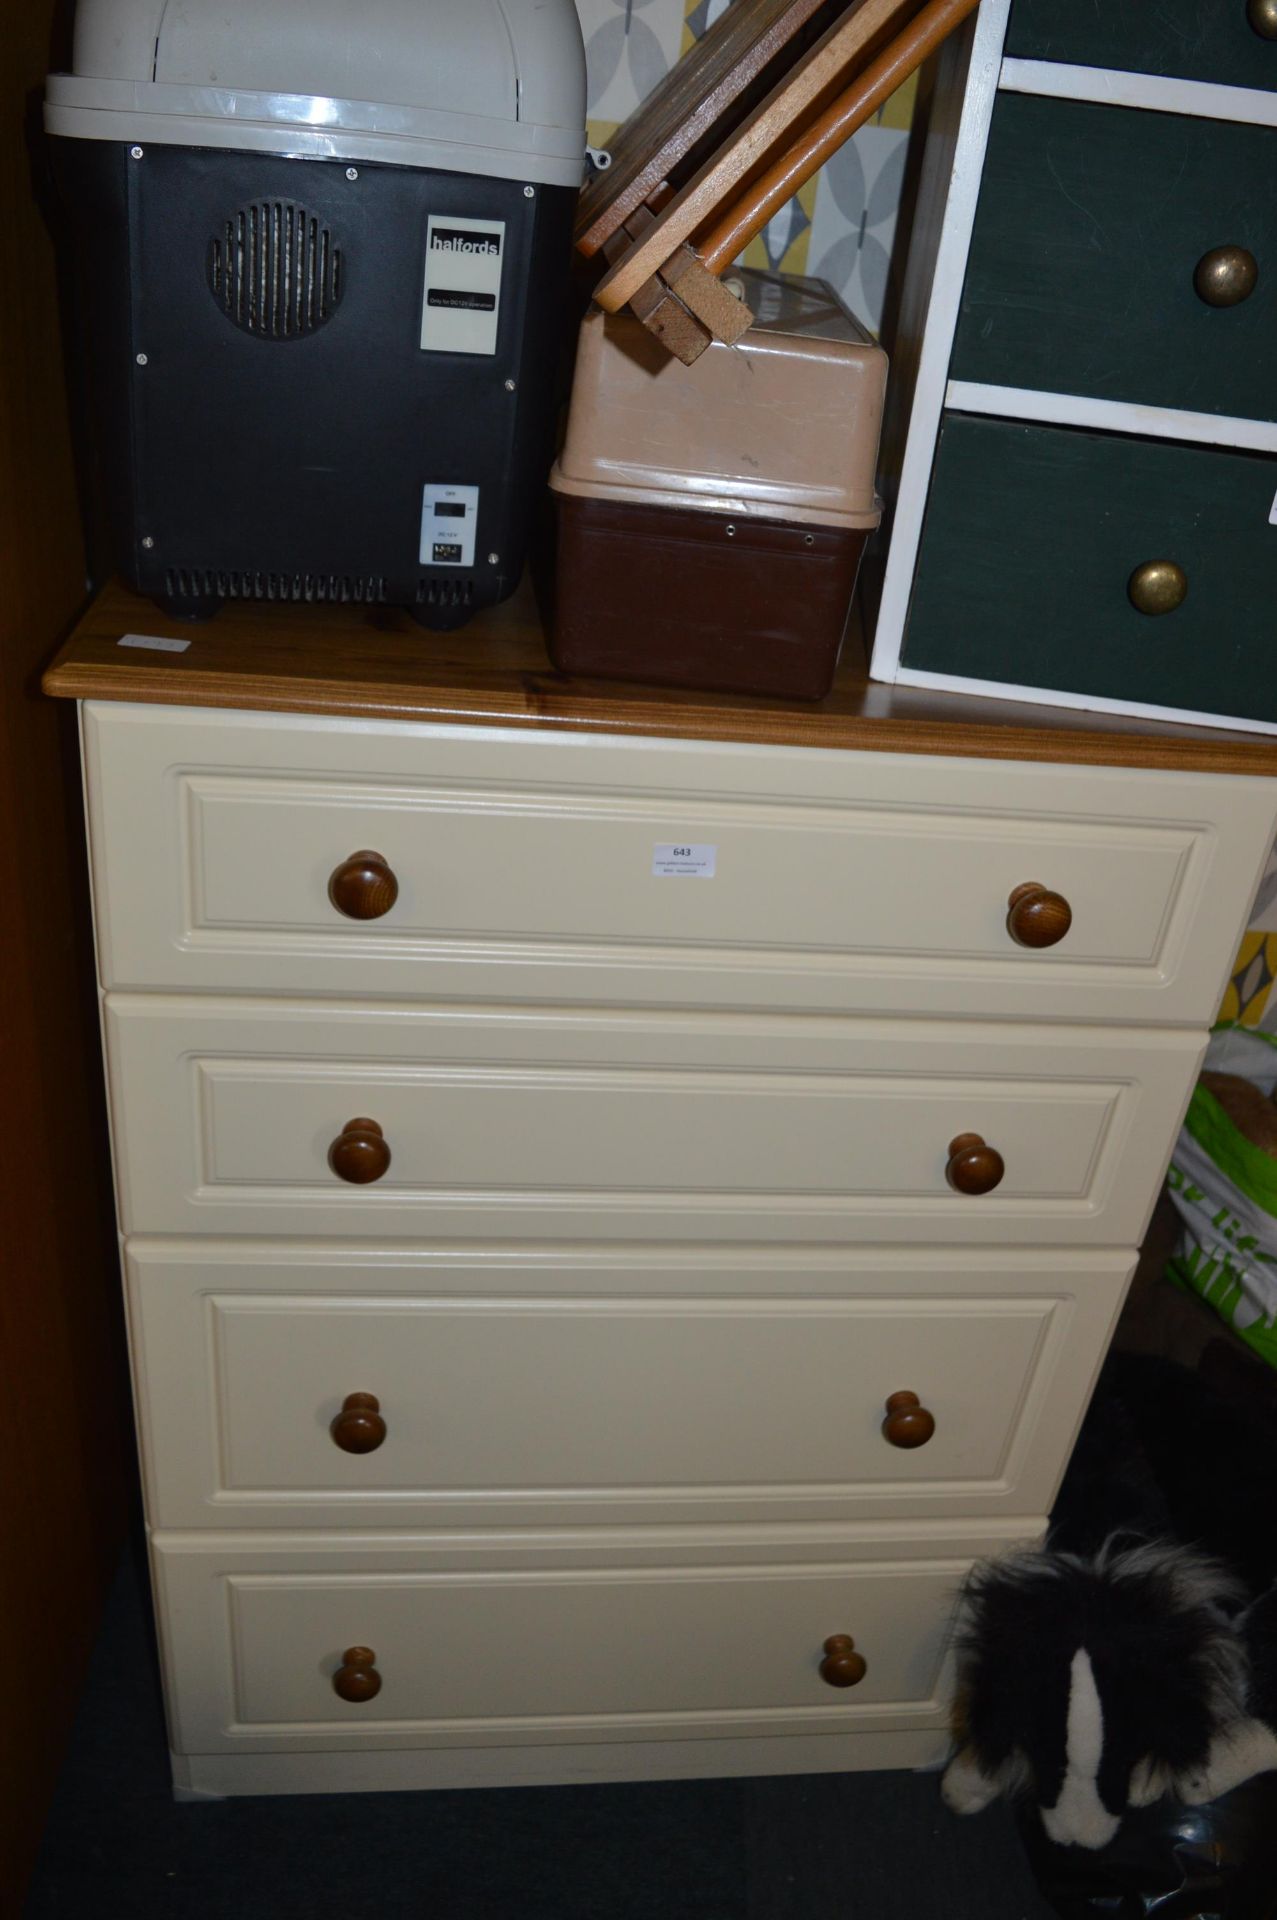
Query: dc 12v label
[462, 301]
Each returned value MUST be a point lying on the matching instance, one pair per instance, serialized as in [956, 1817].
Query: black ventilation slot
[445, 593]
[275, 270]
[212, 583]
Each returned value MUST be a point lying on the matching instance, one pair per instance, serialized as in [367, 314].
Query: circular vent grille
[275, 270]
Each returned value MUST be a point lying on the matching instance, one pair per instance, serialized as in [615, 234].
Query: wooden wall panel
[67, 1453]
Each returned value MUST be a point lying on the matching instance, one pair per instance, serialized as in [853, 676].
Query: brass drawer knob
[363, 887]
[359, 1427]
[1159, 586]
[359, 1154]
[357, 1678]
[1262, 15]
[908, 1424]
[973, 1167]
[1226, 276]
[842, 1666]
[1037, 917]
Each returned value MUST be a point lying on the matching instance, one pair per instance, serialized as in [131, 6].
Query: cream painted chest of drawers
[523, 1243]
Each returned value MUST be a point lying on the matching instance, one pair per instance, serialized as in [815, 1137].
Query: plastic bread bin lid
[783, 425]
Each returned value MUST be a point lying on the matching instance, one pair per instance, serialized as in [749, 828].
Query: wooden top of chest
[378, 665]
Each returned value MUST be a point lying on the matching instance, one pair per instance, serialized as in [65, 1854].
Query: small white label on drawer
[684, 862]
[153, 644]
[1272, 512]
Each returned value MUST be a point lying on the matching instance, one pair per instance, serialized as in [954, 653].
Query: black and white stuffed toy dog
[1136, 1654]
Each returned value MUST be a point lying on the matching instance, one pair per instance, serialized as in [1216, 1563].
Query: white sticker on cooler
[461, 304]
[1272, 512]
[449, 520]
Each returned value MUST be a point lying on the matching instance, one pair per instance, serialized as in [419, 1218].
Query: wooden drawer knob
[973, 1167]
[1262, 15]
[357, 1678]
[359, 1153]
[359, 1427]
[1037, 917]
[908, 1424]
[1159, 586]
[363, 887]
[842, 1666]
[1226, 276]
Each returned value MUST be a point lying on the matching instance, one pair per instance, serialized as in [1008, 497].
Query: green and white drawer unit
[1085, 475]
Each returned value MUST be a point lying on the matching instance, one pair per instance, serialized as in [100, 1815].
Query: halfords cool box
[325, 245]
[712, 518]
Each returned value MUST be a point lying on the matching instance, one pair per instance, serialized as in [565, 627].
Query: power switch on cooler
[449, 516]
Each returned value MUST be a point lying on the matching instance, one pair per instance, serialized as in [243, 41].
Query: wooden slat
[710, 300]
[854, 38]
[340, 660]
[696, 94]
[740, 224]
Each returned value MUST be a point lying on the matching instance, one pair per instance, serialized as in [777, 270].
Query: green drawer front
[1090, 226]
[1032, 534]
[1185, 39]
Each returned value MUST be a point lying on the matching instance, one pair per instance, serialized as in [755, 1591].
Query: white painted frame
[960, 149]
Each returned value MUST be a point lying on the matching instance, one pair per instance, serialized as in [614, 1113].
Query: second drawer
[547, 1388]
[261, 1118]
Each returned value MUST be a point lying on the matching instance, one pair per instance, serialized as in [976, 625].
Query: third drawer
[311, 1386]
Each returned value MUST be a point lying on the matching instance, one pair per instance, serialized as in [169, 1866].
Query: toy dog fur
[1136, 1654]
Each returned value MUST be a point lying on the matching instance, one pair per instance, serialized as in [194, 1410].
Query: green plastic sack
[1225, 1190]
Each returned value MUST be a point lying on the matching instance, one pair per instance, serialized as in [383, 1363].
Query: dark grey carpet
[854, 1847]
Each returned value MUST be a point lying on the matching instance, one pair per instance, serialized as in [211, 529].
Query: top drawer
[526, 865]
[1091, 225]
[1182, 39]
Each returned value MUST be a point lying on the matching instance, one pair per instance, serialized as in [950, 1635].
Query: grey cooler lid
[494, 87]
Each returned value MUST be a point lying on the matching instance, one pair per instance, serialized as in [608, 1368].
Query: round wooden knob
[357, 1678]
[1226, 276]
[908, 1424]
[1262, 15]
[1159, 586]
[359, 1153]
[842, 1666]
[1037, 917]
[973, 1167]
[359, 1427]
[363, 887]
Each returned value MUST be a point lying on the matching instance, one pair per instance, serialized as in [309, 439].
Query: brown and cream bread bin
[711, 519]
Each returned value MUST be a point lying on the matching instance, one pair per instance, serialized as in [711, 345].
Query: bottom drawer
[494, 1643]
[1088, 510]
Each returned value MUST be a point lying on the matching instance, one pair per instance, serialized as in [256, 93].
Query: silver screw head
[730, 531]
[141, 359]
[147, 541]
[352, 173]
[135, 153]
[494, 559]
[509, 386]
[529, 193]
